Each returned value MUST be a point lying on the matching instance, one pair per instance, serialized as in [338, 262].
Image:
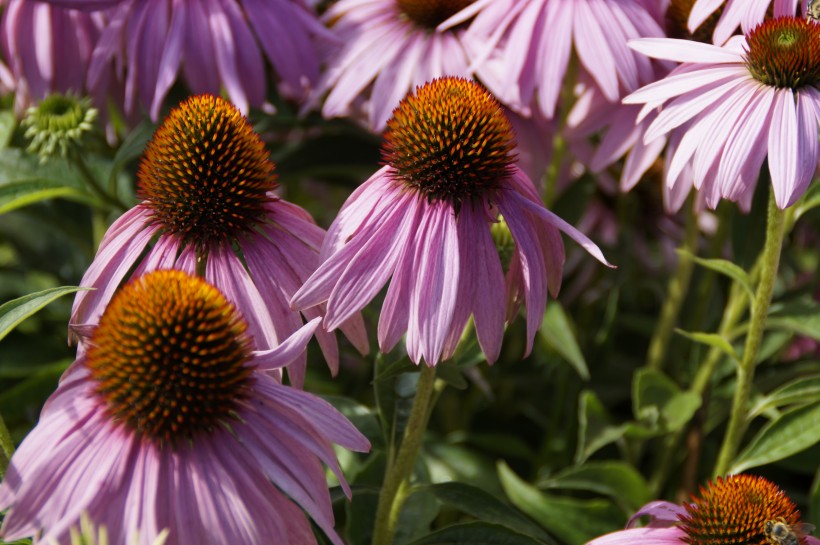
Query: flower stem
[675, 293]
[88, 176]
[6, 447]
[770, 260]
[400, 468]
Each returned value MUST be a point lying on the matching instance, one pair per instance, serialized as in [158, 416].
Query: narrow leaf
[556, 332]
[572, 520]
[801, 391]
[725, 267]
[475, 533]
[15, 311]
[711, 339]
[789, 434]
[485, 507]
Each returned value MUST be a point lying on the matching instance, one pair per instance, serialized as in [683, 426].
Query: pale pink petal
[684, 51]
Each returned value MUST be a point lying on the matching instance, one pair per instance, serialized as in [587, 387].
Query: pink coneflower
[534, 39]
[425, 219]
[48, 50]
[216, 43]
[736, 509]
[755, 97]
[389, 47]
[206, 180]
[170, 420]
[734, 14]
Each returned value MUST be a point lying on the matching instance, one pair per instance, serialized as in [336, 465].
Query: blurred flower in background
[388, 47]
[523, 48]
[48, 49]
[450, 173]
[206, 180]
[215, 43]
[734, 14]
[170, 420]
[753, 99]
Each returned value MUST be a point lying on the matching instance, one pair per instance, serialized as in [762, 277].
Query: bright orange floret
[734, 511]
[785, 52]
[205, 173]
[169, 356]
[449, 141]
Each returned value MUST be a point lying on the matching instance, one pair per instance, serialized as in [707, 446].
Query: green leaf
[7, 126]
[801, 317]
[485, 507]
[23, 180]
[475, 533]
[419, 511]
[725, 267]
[15, 311]
[658, 401]
[572, 520]
[617, 480]
[801, 391]
[556, 332]
[449, 372]
[361, 516]
[792, 432]
[810, 200]
[594, 429]
[711, 339]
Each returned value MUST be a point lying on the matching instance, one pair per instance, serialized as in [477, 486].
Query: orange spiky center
[206, 174]
[449, 141]
[677, 19]
[734, 511]
[170, 357]
[431, 13]
[785, 52]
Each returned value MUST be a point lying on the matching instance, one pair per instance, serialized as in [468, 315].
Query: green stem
[675, 293]
[399, 469]
[6, 447]
[84, 170]
[775, 229]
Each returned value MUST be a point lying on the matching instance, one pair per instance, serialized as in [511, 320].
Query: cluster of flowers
[175, 414]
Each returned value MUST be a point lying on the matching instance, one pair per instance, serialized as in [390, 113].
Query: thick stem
[775, 229]
[400, 468]
[675, 293]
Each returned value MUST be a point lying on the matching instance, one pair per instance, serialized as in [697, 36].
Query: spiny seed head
[677, 22]
[170, 357]
[785, 52]
[734, 511]
[57, 126]
[449, 141]
[205, 173]
[431, 13]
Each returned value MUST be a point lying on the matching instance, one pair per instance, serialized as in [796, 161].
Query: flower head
[57, 60]
[734, 510]
[58, 124]
[729, 108]
[425, 220]
[389, 47]
[206, 181]
[734, 14]
[170, 420]
[509, 39]
[214, 43]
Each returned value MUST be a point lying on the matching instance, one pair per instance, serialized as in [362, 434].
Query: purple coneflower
[390, 47]
[48, 50]
[170, 420]
[527, 46]
[734, 14]
[753, 98]
[206, 180]
[736, 509]
[216, 43]
[425, 219]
